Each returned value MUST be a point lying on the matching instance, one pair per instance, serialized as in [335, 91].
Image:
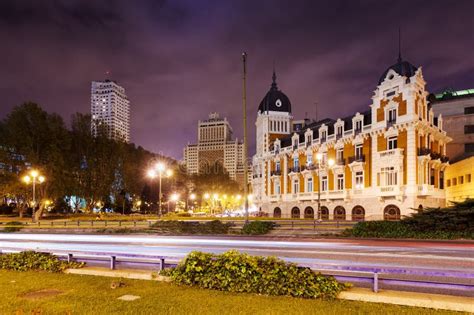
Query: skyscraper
[110, 108]
[215, 149]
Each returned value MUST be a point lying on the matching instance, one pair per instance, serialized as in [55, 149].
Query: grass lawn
[74, 294]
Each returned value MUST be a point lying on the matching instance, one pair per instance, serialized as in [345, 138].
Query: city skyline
[168, 71]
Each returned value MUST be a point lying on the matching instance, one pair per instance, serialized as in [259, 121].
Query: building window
[277, 188]
[296, 186]
[359, 180]
[469, 147]
[309, 185]
[340, 156]
[468, 178]
[392, 143]
[468, 110]
[448, 183]
[461, 180]
[388, 176]
[277, 166]
[358, 151]
[324, 183]
[455, 181]
[468, 129]
[340, 182]
[309, 159]
[358, 126]
[296, 163]
[392, 115]
[323, 136]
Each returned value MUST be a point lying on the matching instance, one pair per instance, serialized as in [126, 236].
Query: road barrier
[455, 283]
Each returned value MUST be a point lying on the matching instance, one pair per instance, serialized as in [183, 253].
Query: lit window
[309, 185]
[359, 180]
[392, 143]
[340, 182]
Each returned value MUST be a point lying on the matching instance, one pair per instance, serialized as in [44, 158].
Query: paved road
[350, 254]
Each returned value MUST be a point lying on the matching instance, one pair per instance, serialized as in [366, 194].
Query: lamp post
[34, 177]
[174, 198]
[244, 105]
[321, 165]
[158, 171]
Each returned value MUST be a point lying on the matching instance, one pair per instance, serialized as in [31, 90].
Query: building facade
[457, 110]
[110, 109]
[460, 180]
[388, 160]
[215, 149]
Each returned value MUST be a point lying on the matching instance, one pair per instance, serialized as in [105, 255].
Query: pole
[319, 190]
[244, 105]
[159, 195]
[34, 200]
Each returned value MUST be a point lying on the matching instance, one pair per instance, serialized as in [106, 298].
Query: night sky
[180, 60]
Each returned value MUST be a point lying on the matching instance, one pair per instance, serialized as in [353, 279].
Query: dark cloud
[180, 60]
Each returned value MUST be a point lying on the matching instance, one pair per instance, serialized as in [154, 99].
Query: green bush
[258, 227]
[452, 222]
[235, 272]
[12, 226]
[184, 214]
[189, 227]
[30, 260]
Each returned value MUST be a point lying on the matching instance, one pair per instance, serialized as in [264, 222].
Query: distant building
[110, 107]
[457, 110]
[460, 180]
[215, 149]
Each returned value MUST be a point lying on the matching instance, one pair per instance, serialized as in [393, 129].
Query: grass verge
[74, 294]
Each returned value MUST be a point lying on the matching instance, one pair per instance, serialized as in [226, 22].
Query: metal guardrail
[284, 224]
[375, 277]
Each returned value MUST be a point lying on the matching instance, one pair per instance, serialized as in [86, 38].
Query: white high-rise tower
[111, 107]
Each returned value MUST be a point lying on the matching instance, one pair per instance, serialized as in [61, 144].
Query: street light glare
[206, 196]
[319, 156]
[160, 167]
[34, 173]
[27, 179]
[192, 196]
[151, 173]
[174, 197]
[330, 162]
[169, 173]
[41, 179]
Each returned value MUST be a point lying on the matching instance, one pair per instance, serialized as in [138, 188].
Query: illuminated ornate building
[388, 160]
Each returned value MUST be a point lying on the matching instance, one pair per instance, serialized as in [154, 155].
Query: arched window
[295, 213]
[391, 213]
[324, 213]
[309, 213]
[277, 213]
[339, 213]
[358, 213]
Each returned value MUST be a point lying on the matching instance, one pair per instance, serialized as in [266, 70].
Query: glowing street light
[34, 177]
[158, 171]
[207, 196]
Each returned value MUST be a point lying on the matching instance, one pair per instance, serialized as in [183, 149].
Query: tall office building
[215, 149]
[110, 108]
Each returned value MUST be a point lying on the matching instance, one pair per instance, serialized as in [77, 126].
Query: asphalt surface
[414, 259]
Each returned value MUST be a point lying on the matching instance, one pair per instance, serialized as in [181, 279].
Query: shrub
[30, 260]
[434, 223]
[12, 226]
[189, 227]
[258, 227]
[235, 272]
[184, 214]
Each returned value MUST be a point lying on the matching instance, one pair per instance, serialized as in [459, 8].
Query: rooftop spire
[399, 45]
[274, 84]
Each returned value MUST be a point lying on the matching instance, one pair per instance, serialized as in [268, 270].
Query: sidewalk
[435, 301]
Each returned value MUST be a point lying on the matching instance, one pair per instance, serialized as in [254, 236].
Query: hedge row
[236, 272]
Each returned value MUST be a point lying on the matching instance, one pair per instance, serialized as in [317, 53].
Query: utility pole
[244, 105]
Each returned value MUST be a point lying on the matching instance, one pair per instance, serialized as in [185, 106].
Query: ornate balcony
[296, 169]
[357, 158]
[390, 123]
[386, 191]
[275, 173]
[425, 190]
[340, 161]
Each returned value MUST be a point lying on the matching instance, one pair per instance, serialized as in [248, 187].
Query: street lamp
[34, 177]
[191, 197]
[158, 171]
[174, 198]
[321, 165]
